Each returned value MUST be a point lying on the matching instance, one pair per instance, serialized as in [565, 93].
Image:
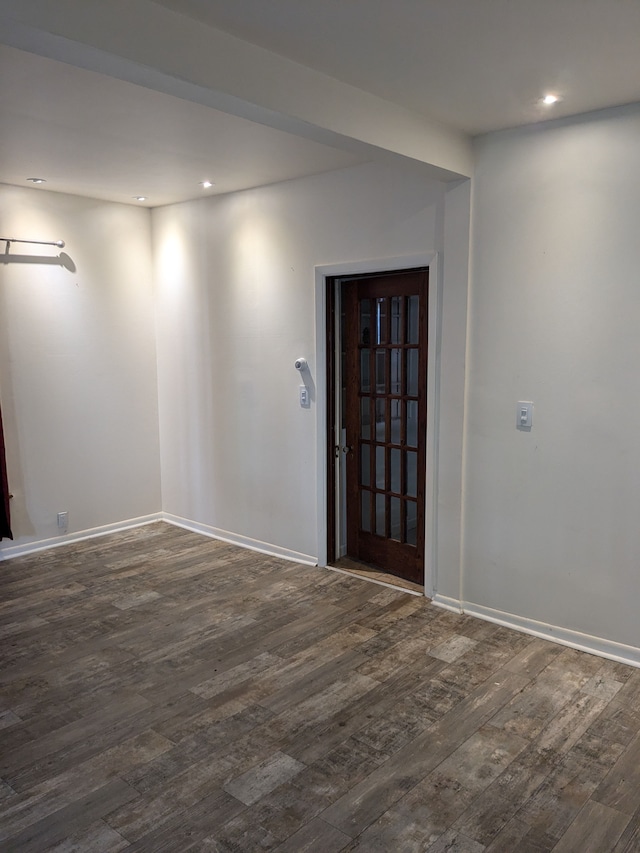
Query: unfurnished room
[318, 426]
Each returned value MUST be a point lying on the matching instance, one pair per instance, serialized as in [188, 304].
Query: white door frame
[322, 273]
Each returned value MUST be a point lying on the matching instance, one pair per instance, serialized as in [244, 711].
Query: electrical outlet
[63, 520]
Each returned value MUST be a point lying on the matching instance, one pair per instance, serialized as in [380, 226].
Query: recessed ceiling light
[550, 99]
[140, 197]
[37, 180]
[206, 184]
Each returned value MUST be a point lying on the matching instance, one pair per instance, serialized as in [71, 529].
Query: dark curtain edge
[5, 509]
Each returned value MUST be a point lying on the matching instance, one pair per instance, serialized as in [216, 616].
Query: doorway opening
[377, 344]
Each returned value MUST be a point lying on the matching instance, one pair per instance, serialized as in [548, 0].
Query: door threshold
[349, 566]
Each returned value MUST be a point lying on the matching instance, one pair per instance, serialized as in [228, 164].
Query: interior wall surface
[551, 527]
[451, 357]
[235, 296]
[78, 380]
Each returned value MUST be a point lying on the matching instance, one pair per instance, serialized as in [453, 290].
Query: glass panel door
[386, 419]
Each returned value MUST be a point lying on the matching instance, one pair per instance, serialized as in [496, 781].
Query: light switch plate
[524, 414]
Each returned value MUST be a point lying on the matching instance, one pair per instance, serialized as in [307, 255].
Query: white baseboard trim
[68, 538]
[446, 603]
[565, 636]
[242, 541]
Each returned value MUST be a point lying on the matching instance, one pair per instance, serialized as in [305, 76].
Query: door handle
[337, 449]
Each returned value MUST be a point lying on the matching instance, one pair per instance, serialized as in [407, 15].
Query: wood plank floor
[162, 691]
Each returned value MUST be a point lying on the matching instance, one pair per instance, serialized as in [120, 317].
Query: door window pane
[365, 464]
[396, 421]
[381, 371]
[412, 372]
[380, 516]
[380, 468]
[395, 463]
[412, 423]
[381, 321]
[412, 319]
[381, 419]
[396, 521]
[365, 515]
[412, 523]
[396, 319]
[365, 417]
[396, 371]
[365, 322]
[411, 458]
[365, 379]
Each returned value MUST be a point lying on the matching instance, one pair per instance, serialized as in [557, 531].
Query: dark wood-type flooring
[162, 691]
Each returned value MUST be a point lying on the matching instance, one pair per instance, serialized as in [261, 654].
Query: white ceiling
[477, 65]
[113, 140]
[474, 65]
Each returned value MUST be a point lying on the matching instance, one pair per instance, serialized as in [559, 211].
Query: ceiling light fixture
[140, 197]
[37, 180]
[205, 184]
[550, 99]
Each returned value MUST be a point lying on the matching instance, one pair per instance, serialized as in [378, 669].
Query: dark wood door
[386, 414]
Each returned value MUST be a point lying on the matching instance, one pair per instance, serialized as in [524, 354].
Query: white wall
[78, 380]
[551, 517]
[452, 358]
[235, 295]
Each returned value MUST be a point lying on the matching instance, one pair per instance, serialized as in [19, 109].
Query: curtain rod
[7, 240]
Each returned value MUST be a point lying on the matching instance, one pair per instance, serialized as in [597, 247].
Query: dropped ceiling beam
[144, 43]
